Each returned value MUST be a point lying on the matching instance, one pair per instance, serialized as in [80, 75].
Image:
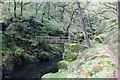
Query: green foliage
[70, 56]
[62, 64]
[56, 48]
[17, 54]
[107, 62]
[103, 74]
[60, 74]
[7, 61]
[75, 47]
[79, 35]
[43, 55]
[108, 69]
[32, 58]
[111, 28]
[112, 40]
[72, 51]
[10, 30]
[1, 46]
[19, 37]
[19, 51]
[100, 38]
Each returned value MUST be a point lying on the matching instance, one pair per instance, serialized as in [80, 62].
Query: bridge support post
[62, 39]
[69, 39]
[65, 50]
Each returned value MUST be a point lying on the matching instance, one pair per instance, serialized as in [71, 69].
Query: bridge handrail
[52, 39]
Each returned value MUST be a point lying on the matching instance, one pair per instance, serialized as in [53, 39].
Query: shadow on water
[34, 70]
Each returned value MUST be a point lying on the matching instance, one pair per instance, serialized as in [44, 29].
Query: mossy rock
[70, 56]
[43, 55]
[62, 73]
[71, 51]
[99, 38]
[56, 48]
[75, 47]
[62, 64]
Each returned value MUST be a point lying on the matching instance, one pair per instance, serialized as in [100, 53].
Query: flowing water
[34, 70]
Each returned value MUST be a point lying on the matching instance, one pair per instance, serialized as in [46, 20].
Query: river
[34, 70]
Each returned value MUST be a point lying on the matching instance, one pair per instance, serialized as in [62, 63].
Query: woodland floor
[98, 62]
[105, 50]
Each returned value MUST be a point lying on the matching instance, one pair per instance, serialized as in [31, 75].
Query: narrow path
[105, 50]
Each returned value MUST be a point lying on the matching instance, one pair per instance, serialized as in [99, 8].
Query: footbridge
[51, 39]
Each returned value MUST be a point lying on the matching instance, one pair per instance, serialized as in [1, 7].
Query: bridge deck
[53, 40]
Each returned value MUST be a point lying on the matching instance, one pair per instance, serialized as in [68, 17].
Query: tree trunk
[71, 19]
[48, 10]
[21, 12]
[14, 8]
[89, 23]
[43, 14]
[36, 8]
[70, 23]
[63, 9]
[9, 8]
[83, 25]
[118, 11]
